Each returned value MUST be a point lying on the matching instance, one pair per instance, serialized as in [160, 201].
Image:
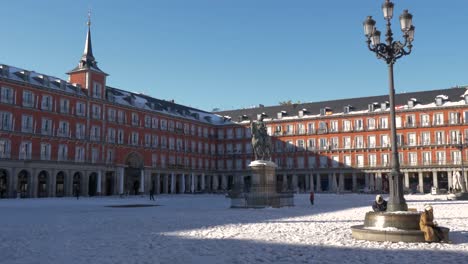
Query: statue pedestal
[263, 191]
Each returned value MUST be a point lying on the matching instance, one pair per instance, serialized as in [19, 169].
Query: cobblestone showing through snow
[203, 229]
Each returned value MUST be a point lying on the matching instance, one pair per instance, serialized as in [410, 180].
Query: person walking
[77, 192]
[152, 194]
[311, 198]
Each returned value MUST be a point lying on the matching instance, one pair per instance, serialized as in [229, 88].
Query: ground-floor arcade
[350, 180]
[44, 180]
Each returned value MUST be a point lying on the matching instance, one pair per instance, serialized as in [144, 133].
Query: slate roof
[357, 104]
[146, 102]
[113, 95]
[34, 78]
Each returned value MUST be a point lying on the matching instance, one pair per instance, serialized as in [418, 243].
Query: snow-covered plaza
[203, 229]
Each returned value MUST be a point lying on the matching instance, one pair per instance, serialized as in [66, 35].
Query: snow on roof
[21, 75]
[360, 112]
[121, 97]
[443, 96]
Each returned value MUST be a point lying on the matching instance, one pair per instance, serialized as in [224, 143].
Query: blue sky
[237, 53]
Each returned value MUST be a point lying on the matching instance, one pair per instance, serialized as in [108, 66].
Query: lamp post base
[396, 200]
[458, 196]
[395, 207]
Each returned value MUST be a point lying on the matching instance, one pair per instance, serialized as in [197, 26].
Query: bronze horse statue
[261, 142]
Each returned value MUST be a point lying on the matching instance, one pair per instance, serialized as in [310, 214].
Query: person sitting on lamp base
[380, 205]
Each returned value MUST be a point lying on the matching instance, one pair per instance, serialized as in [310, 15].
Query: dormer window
[279, 115]
[5, 70]
[323, 111]
[302, 112]
[439, 100]
[197, 116]
[45, 80]
[61, 84]
[110, 96]
[410, 103]
[347, 109]
[466, 98]
[25, 75]
[259, 116]
[383, 106]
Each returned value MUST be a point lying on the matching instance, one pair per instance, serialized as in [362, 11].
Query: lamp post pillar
[462, 178]
[396, 200]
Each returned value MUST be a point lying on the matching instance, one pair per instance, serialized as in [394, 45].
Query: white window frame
[371, 123]
[62, 152]
[25, 150]
[6, 95]
[80, 108]
[27, 123]
[5, 148]
[97, 90]
[79, 154]
[64, 106]
[425, 120]
[6, 121]
[439, 119]
[45, 151]
[46, 102]
[28, 98]
[46, 126]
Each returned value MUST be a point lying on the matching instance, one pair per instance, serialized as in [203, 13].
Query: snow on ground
[203, 229]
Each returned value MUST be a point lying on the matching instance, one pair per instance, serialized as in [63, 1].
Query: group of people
[432, 232]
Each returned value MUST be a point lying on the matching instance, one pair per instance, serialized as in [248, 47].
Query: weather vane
[89, 18]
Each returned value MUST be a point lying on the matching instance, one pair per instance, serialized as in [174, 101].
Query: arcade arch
[133, 173]
[3, 183]
[23, 186]
[42, 180]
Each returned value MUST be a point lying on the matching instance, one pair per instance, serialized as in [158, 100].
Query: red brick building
[344, 145]
[57, 137]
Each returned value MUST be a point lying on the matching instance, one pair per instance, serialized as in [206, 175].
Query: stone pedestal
[263, 191]
[402, 226]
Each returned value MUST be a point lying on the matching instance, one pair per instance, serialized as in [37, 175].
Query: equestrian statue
[261, 142]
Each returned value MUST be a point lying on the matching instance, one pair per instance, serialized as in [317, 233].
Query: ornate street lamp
[390, 52]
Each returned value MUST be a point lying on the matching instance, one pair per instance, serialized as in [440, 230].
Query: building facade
[345, 145]
[58, 136]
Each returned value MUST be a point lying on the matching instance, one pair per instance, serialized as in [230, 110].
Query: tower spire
[88, 59]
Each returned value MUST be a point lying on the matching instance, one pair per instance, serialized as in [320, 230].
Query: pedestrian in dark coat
[380, 205]
[136, 187]
[77, 192]
[152, 194]
[311, 198]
